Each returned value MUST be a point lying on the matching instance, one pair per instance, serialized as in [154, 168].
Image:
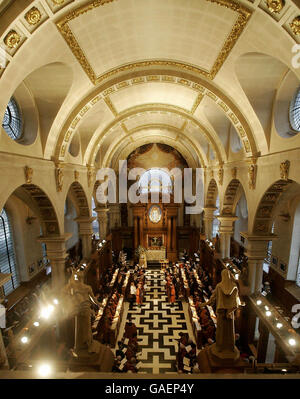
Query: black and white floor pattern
[158, 325]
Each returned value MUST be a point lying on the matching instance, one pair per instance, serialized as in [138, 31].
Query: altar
[156, 254]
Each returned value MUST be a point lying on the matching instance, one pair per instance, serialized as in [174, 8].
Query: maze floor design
[159, 325]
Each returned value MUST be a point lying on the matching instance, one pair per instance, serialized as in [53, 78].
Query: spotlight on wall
[292, 341]
[279, 325]
[36, 324]
[46, 311]
[268, 313]
[44, 370]
[24, 340]
[258, 302]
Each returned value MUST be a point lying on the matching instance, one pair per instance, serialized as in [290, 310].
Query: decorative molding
[252, 172]
[76, 175]
[70, 129]
[12, 39]
[284, 170]
[220, 176]
[295, 25]
[28, 174]
[59, 176]
[110, 105]
[196, 103]
[90, 175]
[243, 17]
[58, 2]
[234, 172]
[33, 16]
[275, 5]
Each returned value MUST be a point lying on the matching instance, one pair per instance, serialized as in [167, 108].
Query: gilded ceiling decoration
[104, 95]
[12, 39]
[33, 16]
[161, 155]
[295, 25]
[275, 5]
[63, 25]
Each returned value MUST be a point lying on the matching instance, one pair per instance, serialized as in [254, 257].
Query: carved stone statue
[59, 177]
[90, 175]
[79, 297]
[234, 172]
[284, 170]
[28, 174]
[252, 176]
[226, 298]
[220, 175]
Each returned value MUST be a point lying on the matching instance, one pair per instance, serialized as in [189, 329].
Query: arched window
[155, 181]
[295, 112]
[216, 222]
[7, 253]
[95, 222]
[12, 121]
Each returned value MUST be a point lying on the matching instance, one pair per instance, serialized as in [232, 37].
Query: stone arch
[264, 213]
[211, 194]
[47, 213]
[80, 200]
[232, 192]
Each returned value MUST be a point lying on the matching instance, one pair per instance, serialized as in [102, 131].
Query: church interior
[207, 89]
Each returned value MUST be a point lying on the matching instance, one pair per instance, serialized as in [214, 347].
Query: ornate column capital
[257, 245]
[209, 212]
[226, 223]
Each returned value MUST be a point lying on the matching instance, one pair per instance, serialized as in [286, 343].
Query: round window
[295, 112]
[12, 122]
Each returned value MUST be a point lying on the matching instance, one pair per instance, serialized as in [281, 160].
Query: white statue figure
[80, 297]
[226, 298]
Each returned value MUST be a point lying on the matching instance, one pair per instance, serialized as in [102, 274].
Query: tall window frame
[8, 262]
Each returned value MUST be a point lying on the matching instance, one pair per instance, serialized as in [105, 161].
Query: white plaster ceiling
[127, 31]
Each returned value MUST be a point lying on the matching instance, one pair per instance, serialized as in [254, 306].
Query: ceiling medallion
[295, 25]
[33, 16]
[12, 39]
[275, 5]
[155, 214]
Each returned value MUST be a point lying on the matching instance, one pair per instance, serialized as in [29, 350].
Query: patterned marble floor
[158, 325]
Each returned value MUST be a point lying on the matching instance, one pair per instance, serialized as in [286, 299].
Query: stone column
[56, 253]
[115, 216]
[141, 231]
[256, 251]
[208, 221]
[226, 232]
[169, 233]
[136, 241]
[102, 220]
[85, 233]
[174, 234]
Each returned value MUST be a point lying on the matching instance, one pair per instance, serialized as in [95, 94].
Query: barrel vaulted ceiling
[108, 76]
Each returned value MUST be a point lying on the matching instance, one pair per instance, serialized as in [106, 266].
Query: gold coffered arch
[175, 142]
[210, 136]
[201, 86]
[123, 151]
